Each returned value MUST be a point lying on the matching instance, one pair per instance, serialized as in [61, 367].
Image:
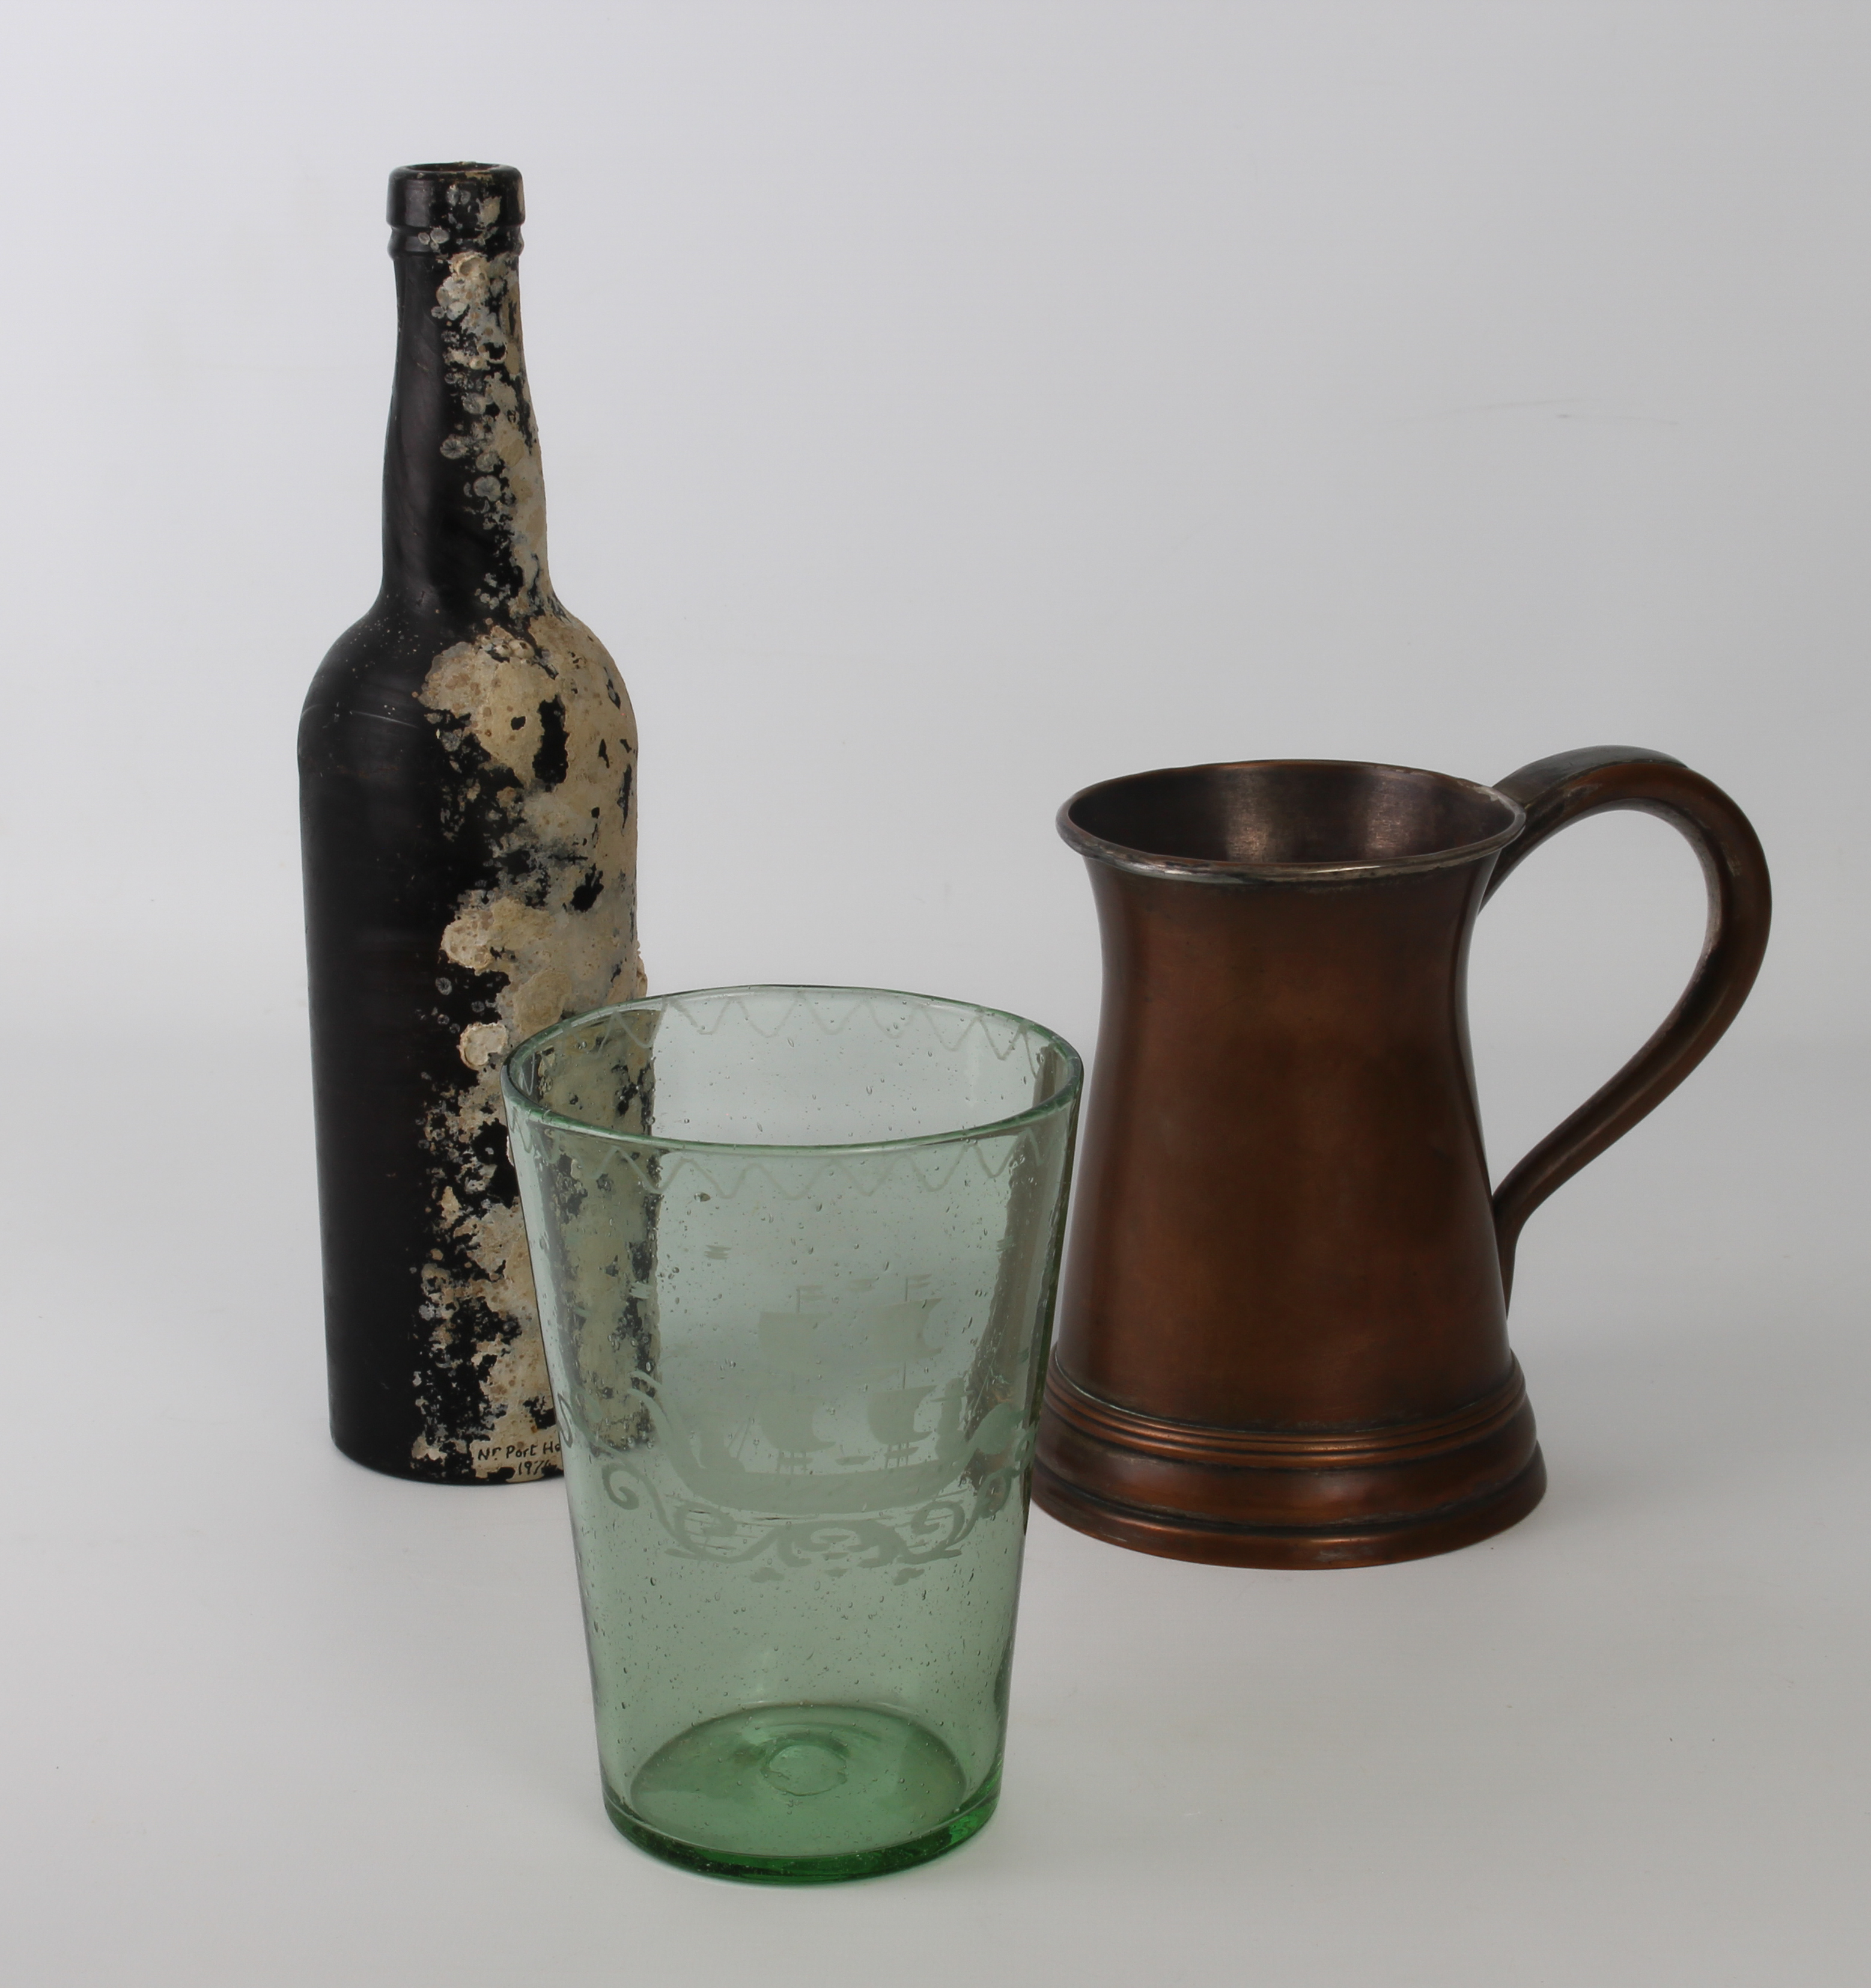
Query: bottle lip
[460, 204]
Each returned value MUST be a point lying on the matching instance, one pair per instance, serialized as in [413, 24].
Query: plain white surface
[276, 1720]
[945, 406]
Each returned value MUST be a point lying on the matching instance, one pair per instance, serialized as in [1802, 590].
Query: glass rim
[1063, 1099]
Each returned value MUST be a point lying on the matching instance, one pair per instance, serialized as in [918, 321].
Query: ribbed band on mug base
[1285, 1498]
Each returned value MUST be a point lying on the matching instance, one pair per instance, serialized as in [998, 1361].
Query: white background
[946, 406]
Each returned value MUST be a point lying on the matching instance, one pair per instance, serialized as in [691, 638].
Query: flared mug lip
[1227, 870]
[1065, 1098]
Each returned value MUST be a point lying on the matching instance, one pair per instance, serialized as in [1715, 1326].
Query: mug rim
[1224, 870]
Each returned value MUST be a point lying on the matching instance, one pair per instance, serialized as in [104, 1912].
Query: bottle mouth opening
[463, 201]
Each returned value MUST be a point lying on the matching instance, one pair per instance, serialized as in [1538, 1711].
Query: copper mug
[1282, 1336]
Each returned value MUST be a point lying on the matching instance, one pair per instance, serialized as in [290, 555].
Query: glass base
[802, 1794]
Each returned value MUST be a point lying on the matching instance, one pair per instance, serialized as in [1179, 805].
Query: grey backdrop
[945, 406]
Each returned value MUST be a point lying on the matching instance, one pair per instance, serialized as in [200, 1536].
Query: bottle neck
[464, 501]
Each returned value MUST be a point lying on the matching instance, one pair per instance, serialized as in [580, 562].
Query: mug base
[1180, 1537]
[802, 1794]
[1288, 1497]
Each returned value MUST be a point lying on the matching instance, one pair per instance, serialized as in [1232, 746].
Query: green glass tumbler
[795, 1250]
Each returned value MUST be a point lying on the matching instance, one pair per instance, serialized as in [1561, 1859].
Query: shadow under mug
[1283, 1337]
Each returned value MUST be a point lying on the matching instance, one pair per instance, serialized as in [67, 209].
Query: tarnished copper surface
[1282, 1336]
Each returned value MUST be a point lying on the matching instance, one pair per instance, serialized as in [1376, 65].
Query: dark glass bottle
[466, 757]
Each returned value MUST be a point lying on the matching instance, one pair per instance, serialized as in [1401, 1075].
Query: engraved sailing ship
[837, 1413]
[835, 1440]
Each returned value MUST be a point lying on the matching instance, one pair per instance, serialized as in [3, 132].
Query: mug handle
[1597, 779]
